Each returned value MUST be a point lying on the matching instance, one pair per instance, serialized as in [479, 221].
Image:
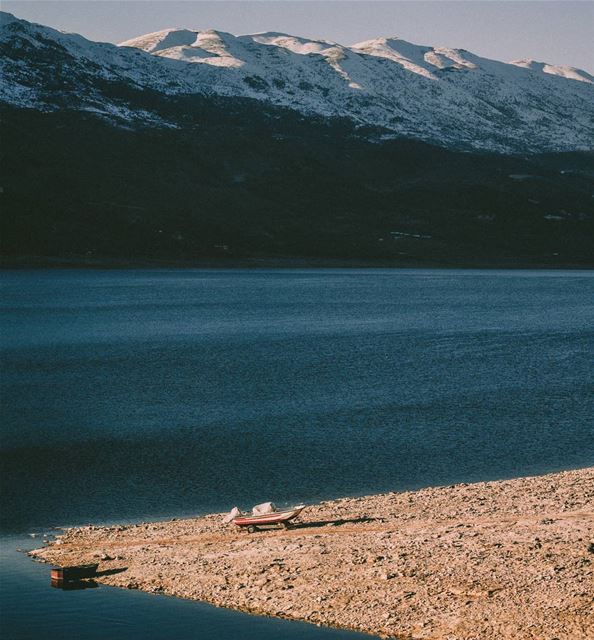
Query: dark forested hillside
[236, 179]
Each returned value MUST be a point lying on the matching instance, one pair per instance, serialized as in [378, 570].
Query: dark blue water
[32, 610]
[153, 393]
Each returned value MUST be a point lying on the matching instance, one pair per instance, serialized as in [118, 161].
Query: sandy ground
[497, 560]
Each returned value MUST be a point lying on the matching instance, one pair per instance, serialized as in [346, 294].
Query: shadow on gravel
[333, 523]
[111, 572]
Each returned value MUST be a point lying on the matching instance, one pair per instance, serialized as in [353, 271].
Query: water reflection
[73, 585]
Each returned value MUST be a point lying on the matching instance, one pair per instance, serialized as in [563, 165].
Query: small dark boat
[78, 572]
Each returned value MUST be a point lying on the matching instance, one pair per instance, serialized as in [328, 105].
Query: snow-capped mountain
[440, 95]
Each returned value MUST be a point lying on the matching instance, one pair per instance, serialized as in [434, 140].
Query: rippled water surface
[150, 393]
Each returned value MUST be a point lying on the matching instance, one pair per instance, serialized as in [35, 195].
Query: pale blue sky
[560, 32]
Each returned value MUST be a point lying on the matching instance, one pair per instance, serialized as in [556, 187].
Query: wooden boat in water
[78, 572]
[281, 518]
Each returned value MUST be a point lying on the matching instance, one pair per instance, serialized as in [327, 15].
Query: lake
[152, 393]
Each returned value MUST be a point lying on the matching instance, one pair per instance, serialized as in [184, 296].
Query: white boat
[254, 522]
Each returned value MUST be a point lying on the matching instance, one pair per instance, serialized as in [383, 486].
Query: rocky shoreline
[496, 560]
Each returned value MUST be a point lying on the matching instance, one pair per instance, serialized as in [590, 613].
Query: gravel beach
[490, 560]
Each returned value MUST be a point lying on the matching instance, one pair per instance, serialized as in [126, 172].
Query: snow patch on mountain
[302, 46]
[409, 56]
[165, 39]
[556, 70]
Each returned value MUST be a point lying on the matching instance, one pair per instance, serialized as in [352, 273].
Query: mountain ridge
[443, 96]
[310, 45]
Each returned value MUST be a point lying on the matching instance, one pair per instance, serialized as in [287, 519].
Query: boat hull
[266, 519]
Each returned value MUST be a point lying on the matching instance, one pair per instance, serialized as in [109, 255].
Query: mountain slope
[186, 145]
[239, 181]
[449, 97]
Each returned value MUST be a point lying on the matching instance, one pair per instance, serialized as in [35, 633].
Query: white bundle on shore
[265, 507]
[234, 513]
